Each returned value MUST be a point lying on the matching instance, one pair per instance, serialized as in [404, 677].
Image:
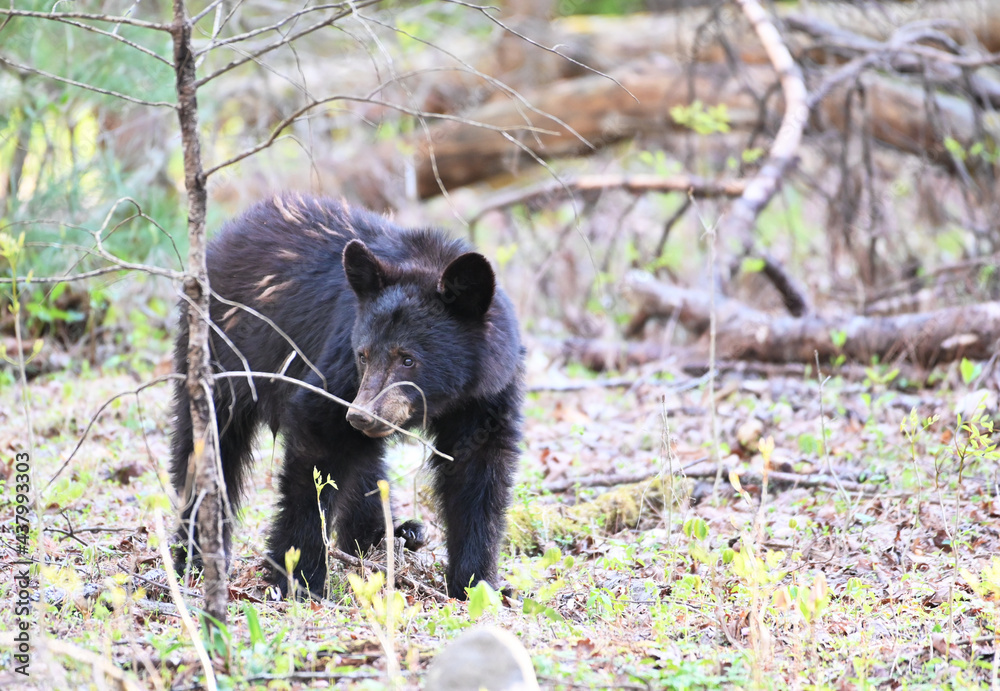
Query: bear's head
[419, 336]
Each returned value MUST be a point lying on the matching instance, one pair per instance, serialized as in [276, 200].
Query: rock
[482, 658]
[749, 433]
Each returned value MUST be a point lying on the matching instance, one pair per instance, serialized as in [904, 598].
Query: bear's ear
[467, 285]
[364, 271]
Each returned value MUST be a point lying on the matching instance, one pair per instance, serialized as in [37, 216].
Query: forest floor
[863, 562]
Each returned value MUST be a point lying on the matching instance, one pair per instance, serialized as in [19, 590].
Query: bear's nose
[360, 420]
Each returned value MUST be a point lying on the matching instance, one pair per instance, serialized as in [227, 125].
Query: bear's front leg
[323, 441]
[298, 525]
[474, 490]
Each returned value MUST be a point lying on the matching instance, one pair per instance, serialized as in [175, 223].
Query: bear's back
[293, 236]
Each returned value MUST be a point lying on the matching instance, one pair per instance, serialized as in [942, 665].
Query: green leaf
[752, 155]
[535, 608]
[954, 148]
[253, 624]
[482, 598]
[57, 291]
[696, 528]
[552, 556]
[970, 370]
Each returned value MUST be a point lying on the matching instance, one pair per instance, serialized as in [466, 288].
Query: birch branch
[739, 221]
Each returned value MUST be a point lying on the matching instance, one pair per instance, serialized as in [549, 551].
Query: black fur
[371, 305]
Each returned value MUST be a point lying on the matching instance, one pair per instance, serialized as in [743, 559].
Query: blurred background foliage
[858, 222]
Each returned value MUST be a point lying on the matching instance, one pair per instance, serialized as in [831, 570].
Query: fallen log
[577, 116]
[925, 339]
[571, 117]
[693, 35]
[604, 355]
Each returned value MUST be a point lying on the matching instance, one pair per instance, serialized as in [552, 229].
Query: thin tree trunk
[199, 379]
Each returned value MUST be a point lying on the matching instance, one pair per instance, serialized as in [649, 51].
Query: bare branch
[636, 184]
[485, 10]
[131, 266]
[277, 44]
[88, 87]
[277, 329]
[116, 37]
[924, 338]
[740, 219]
[201, 15]
[204, 472]
[63, 279]
[60, 16]
[792, 294]
[228, 341]
[272, 27]
[336, 399]
[360, 99]
[496, 82]
[93, 420]
[838, 37]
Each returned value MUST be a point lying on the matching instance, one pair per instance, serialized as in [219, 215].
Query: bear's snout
[363, 421]
[365, 414]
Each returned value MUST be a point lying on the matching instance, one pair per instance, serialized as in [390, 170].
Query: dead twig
[351, 560]
[636, 184]
[775, 478]
[102, 668]
[792, 294]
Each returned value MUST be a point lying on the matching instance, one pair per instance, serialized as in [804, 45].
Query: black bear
[410, 326]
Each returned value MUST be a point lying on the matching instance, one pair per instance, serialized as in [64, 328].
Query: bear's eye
[362, 359]
[407, 361]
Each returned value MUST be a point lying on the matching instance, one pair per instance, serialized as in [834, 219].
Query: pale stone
[485, 658]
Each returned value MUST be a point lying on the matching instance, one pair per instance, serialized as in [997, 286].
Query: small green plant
[11, 250]
[216, 637]
[838, 337]
[482, 599]
[385, 609]
[877, 380]
[292, 557]
[970, 370]
[602, 603]
[752, 265]
[543, 577]
[696, 530]
[988, 153]
[658, 162]
[320, 485]
[986, 587]
[262, 656]
[973, 443]
[753, 155]
[710, 120]
[504, 253]
[42, 310]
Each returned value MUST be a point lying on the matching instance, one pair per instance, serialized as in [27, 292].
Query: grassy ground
[874, 578]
